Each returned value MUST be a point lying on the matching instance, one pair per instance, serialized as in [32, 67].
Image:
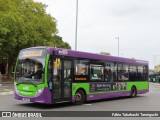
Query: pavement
[6, 86]
[6, 89]
[5, 80]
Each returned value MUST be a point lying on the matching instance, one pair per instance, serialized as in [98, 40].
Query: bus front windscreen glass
[30, 66]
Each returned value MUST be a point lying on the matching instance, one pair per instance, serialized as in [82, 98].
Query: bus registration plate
[26, 99]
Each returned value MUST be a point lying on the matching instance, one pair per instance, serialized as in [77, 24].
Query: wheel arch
[134, 86]
[133, 92]
[83, 91]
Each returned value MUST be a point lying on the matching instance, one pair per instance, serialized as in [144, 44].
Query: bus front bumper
[44, 97]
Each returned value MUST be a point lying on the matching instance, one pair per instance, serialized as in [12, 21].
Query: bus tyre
[79, 97]
[133, 92]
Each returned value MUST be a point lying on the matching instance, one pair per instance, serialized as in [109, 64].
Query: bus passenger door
[66, 79]
[61, 80]
[57, 78]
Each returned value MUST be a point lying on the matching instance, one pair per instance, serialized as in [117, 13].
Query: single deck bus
[54, 75]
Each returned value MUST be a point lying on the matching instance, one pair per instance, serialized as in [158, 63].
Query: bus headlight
[38, 92]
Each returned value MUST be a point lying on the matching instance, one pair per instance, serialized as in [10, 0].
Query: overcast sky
[135, 22]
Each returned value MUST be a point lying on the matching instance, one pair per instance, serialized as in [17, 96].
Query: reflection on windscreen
[30, 70]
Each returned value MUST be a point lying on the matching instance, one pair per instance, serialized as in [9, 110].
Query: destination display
[99, 87]
[31, 53]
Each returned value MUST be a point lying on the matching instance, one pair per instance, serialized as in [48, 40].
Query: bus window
[132, 73]
[81, 67]
[108, 72]
[145, 71]
[114, 71]
[140, 74]
[96, 72]
[122, 72]
[126, 72]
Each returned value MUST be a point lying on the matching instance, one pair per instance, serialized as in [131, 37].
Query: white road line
[88, 104]
[7, 90]
[7, 93]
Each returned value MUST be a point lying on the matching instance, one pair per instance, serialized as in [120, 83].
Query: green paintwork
[76, 86]
[142, 85]
[28, 89]
[46, 71]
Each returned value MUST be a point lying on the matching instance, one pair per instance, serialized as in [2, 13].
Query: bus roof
[94, 56]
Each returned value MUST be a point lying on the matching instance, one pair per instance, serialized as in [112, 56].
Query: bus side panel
[140, 86]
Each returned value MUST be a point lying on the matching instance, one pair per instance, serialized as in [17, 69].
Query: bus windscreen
[30, 66]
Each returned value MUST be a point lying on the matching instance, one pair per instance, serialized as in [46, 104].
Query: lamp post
[118, 45]
[76, 25]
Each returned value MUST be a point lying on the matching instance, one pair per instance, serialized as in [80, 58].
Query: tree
[105, 53]
[24, 23]
[58, 42]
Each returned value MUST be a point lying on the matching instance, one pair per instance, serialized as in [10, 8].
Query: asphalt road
[144, 102]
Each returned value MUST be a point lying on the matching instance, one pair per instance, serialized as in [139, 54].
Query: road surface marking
[6, 92]
[88, 104]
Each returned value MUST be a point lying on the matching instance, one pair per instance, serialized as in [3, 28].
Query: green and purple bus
[55, 75]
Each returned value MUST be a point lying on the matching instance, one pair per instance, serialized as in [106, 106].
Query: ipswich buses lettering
[61, 52]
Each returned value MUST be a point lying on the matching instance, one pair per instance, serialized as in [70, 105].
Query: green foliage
[25, 23]
[59, 43]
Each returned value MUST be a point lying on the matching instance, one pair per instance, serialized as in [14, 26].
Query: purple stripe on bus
[106, 95]
[50, 50]
[142, 91]
[79, 54]
[111, 95]
[45, 97]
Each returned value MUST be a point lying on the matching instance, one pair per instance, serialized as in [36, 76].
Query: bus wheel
[133, 92]
[79, 97]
